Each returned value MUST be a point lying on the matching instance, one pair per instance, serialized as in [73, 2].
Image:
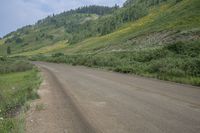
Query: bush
[8, 65]
[178, 1]
[19, 40]
[57, 54]
[192, 67]
[186, 49]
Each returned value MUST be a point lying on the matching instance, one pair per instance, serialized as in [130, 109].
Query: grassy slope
[15, 89]
[1, 42]
[32, 44]
[182, 16]
[168, 16]
[46, 49]
[38, 36]
[2, 48]
[96, 43]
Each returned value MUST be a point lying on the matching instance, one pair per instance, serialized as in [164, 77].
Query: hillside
[55, 28]
[146, 37]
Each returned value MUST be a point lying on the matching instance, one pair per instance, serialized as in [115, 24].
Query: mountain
[155, 38]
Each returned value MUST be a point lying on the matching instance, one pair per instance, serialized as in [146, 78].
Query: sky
[15, 14]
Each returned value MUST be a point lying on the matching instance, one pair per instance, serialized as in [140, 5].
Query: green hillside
[55, 28]
[42, 34]
[163, 25]
[154, 38]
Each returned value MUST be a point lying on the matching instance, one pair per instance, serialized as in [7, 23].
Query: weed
[40, 107]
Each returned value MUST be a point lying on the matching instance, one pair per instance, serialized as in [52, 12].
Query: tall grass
[8, 65]
[18, 84]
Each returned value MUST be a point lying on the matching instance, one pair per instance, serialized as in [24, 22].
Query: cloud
[17, 13]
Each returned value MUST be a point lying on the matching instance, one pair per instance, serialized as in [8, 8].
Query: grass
[44, 50]
[168, 16]
[1, 41]
[40, 107]
[34, 38]
[16, 88]
[3, 50]
[183, 16]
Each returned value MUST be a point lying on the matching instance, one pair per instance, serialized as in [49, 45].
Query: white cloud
[17, 13]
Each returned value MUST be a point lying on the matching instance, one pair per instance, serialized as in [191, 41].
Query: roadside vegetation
[177, 62]
[18, 83]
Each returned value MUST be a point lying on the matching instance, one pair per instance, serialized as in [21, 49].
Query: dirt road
[83, 100]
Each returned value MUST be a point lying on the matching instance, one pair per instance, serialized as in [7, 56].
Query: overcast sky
[17, 13]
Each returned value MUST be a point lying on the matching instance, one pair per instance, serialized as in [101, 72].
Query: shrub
[19, 40]
[8, 65]
[192, 67]
[57, 54]
[178, 1]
